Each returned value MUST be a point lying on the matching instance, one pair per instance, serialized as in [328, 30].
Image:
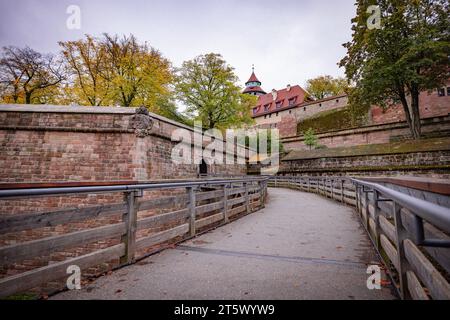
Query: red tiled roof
[254, 89]
[253, 78]
[283, 97]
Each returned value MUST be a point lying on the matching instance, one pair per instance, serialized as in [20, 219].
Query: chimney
[274, 94]
[288, 88]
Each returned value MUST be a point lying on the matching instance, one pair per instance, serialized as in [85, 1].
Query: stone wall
[52, 144]
[374, 134]
[430, 104]
[429, 158]
[301, 112]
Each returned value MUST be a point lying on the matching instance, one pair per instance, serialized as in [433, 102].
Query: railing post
[130, 219]
[376, 216]
[402, 262]
[309, 184]
[332, 192]
[225, 204]
[191, 197]
[264, 194]
[247, 198]
[342, 192]
[366, 209]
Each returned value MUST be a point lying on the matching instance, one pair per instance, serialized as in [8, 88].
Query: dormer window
[292, 101]
[279, 104]
[255, 110]
[266, 108]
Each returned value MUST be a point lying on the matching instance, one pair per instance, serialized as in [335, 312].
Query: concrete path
[301, 246]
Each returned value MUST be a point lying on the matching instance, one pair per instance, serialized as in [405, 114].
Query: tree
[140, 75]
[326, 86]
[207, 86]
[407, 55]
[90, 75]
[26, 73]
[310, 138]
[166, 107]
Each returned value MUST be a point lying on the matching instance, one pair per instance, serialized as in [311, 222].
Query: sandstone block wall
[50, 144]
[375, 134]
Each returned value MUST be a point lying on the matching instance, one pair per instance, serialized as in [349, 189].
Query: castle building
[286, 107]
[291, 101]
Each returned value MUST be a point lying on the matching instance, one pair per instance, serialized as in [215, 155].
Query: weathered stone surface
[142, 122]
[375, 134]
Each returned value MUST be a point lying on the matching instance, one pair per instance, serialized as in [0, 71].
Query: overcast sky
[289, 41]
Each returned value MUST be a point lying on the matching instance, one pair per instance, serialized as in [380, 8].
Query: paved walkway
[301, 246]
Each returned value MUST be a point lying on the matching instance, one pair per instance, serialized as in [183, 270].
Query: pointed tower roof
[253, 85]
[253, 78]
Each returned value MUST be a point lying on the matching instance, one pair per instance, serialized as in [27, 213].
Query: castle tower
[253, 85]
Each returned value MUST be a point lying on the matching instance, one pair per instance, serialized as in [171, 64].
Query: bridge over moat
[303, 240]
[300, 246]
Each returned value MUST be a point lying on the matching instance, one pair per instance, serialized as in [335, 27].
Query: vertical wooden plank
[262, 194]
[402, 263]
[191, 207]
[332, 191]
[366, 208]
[376, 213]
[247, 198]
[130, 219]
[225, 204]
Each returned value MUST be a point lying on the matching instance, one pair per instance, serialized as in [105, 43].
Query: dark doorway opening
[203, 168]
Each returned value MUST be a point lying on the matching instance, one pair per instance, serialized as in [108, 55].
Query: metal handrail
[13, 193]
[438, 215]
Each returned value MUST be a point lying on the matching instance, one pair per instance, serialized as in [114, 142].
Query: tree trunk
[415, 112]
[411, 119]
[28, 97]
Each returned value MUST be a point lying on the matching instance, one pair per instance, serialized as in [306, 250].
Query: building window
[448, 91]
[304, 108]
[270, 115]
[266, 108]
[320, 104]
[277, 114]
[290, 111]
[265, 117]
[255, 110]
[278, 105]
[441, 92]
[292, 101]
[337, 100]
